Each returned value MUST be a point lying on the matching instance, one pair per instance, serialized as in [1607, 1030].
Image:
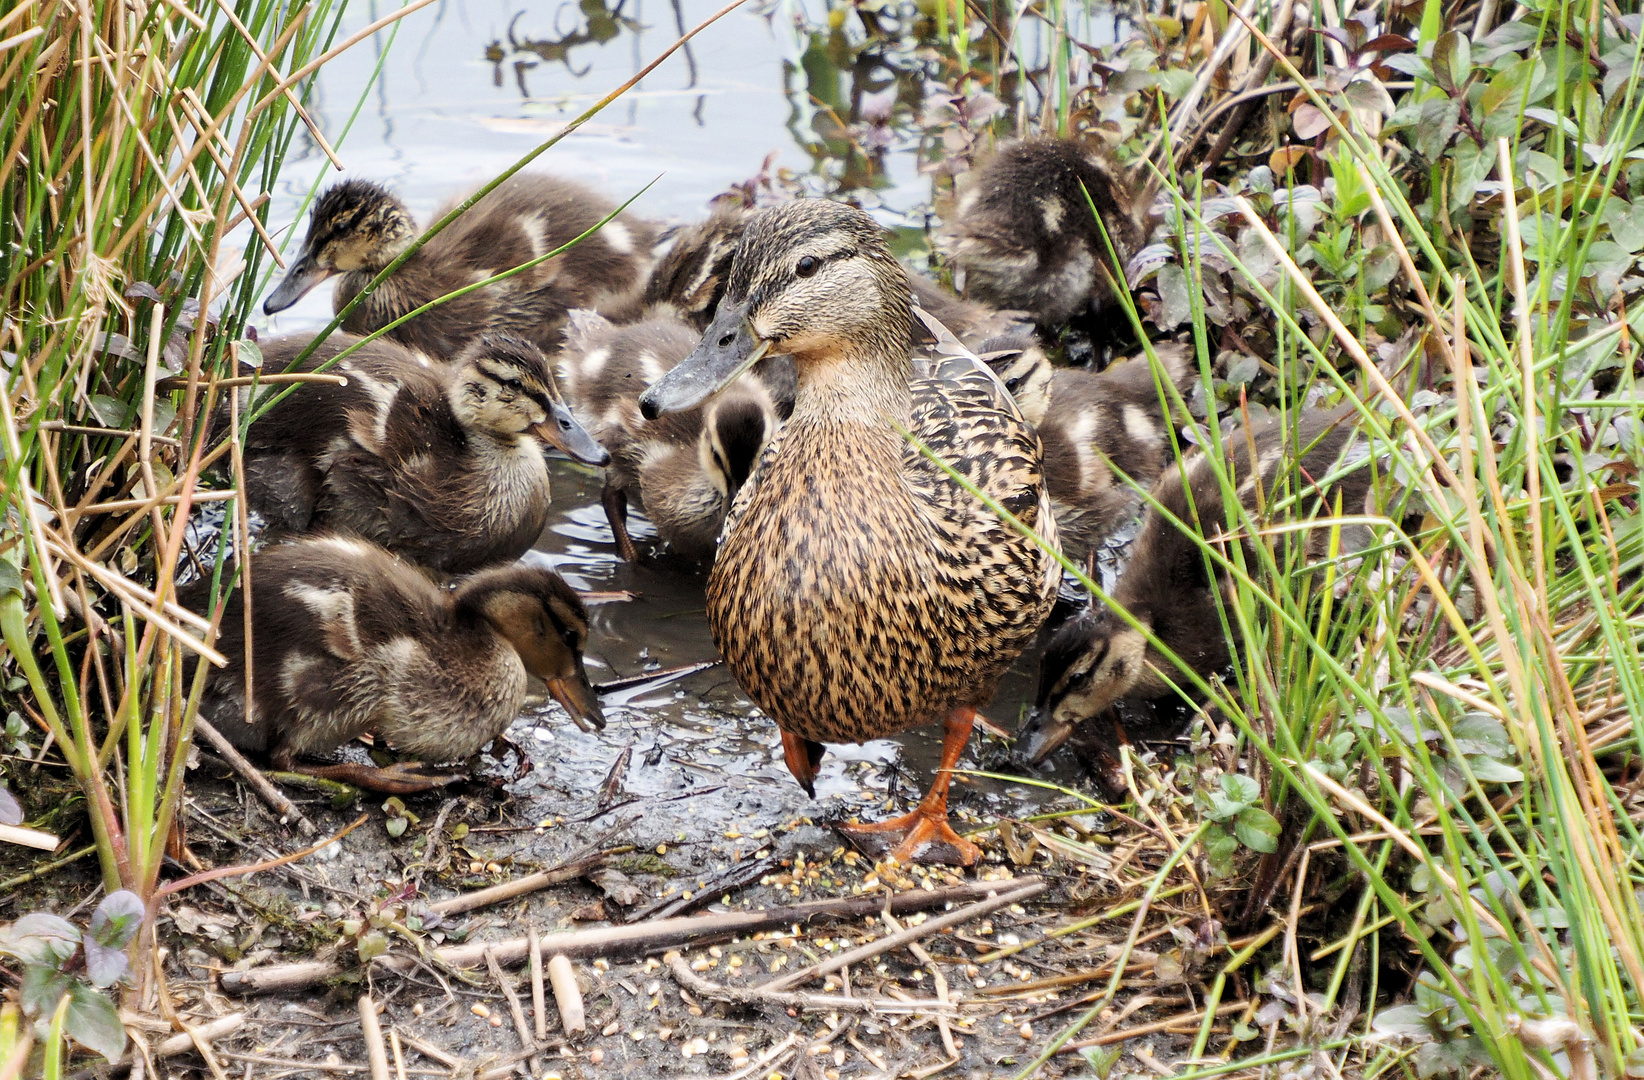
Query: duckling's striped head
[1088, 665]
[811, 278]
[356, 225]
[690, 276]
[504, 387]
[546, 622]
[1023, 367]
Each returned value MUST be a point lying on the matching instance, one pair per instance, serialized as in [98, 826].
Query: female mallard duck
[683, 468]
[1091, 423]
[347, 639]
[1098, 658]
[1022, 232]
[441, 465]
[690, 275]
[858, 590]
[358, 228]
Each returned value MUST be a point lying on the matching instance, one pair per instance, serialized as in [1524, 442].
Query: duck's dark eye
[515, 385]
[808, 265]
[1012, 384]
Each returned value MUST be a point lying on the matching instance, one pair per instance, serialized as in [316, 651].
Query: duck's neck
[867, 387]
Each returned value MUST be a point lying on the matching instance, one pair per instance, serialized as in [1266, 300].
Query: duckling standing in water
[683, 468]
[858, 590]
[1098, 658]
[1022, 231]
[357, 228]
[347, 639]
[441, 465]
[1091, 423]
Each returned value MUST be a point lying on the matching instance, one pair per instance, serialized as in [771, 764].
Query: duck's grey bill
[304, 274]
[1041, 736]
[728, 349]
[564, 431]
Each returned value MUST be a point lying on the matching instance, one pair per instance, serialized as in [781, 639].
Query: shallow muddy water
[462, 92]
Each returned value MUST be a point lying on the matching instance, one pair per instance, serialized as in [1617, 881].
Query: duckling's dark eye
[808, 265]
[1012, 384]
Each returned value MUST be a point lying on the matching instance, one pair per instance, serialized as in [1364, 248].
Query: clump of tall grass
[1435, 219]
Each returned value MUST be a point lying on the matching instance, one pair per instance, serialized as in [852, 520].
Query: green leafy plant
[66, 970]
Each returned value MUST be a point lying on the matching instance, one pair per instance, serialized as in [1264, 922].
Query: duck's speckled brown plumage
[357, 228]
[683, 468]
[1092, 422]
[1098, 658]
[349, 639]
[858, 590]
[1022, 231]
[441, 465]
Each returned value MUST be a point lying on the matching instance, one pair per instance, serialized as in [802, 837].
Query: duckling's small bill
[563, 431]
[304, 274]
[727, 351]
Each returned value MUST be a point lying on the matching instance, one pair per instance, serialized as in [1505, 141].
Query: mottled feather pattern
[527, 216]
[956, 594]
[350, 639]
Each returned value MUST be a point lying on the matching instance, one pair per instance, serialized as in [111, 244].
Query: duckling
[683, 468]
[441, 465]
[1022, 232]
[348, 639]
[1098, 658]
[357, 228]
[1092, 422]
[690, 275]
[858, 590]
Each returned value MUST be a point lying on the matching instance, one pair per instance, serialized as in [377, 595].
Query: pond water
[469, 86]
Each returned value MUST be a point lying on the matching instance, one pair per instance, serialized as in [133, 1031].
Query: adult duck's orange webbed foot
[924, 835]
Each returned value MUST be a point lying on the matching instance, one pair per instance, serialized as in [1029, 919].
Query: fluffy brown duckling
[691, 272]
[1098, 658]
[348, 639]
[440, 464]
[1091, 423]
[357, 228]
[858, 590]
[1022, 232]
[684, 468]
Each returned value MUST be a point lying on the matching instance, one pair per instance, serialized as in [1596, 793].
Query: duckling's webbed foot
[400, 778]
[924, 835]
[615, 501]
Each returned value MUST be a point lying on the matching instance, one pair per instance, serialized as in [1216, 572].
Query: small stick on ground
[399, 1053]
[514, 1010]
[1027, 888]
[215, 1029]
[253, 776]
[496, 894]
[941, 981]
[375, 1053]
[30, 838]
[539, 1006]
[788, 999]
[567, 994]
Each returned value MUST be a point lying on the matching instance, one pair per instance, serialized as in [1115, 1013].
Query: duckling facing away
[683, 468]
[441, 465]
[858, 591]
[1098, 658]
[347, 639]
[357, 228]
[1092, 422]
[1022, 231]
